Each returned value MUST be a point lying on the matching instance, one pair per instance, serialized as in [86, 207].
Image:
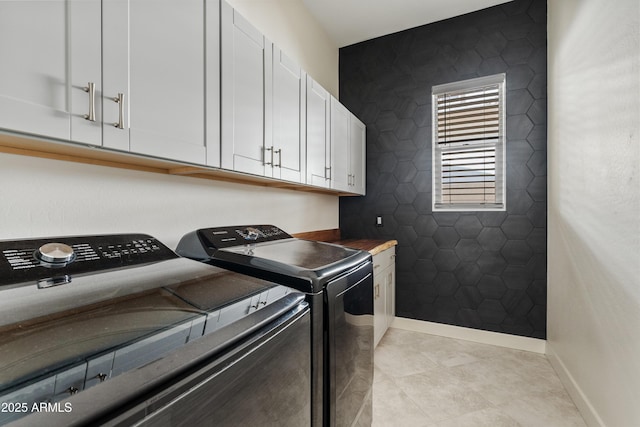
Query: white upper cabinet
[212, 77]
[288, 123]
[348, 150]
[318, 135]
[357, 155]
[124, 74]
[153, 75]
[263, 103]
[184, 80]
[340, 127]
[50, 53]
[246, 66]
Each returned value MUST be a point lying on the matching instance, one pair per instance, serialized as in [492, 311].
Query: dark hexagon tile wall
[484, 270]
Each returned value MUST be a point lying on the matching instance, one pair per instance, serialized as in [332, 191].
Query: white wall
[40, 197]
[594, 205]
[312, 48]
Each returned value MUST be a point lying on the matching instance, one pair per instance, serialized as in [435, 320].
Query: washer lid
[267, 252]
[304, 254]
[304, 265]
[145, 311]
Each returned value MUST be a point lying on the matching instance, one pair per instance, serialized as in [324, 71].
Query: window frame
[500, 146]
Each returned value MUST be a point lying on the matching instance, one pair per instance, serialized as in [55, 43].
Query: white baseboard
[581, 401]
[485, 337]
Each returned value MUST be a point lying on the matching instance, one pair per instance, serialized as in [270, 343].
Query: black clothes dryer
[338, 283]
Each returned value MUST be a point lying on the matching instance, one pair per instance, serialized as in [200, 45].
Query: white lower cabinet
[384, 292]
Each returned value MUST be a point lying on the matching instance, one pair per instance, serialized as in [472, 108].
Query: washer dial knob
[55, 253]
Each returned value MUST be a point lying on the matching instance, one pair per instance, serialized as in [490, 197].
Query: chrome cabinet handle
[91, 89]
[120, 101]
[279, 152]
[270, 149]
[327, 173]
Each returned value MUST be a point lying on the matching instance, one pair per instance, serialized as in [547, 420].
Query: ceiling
[352, 21]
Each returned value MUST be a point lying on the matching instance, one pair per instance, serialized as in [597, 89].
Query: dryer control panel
[226, 237]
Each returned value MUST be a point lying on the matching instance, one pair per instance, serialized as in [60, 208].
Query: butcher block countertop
[373, 246]
[333, 236]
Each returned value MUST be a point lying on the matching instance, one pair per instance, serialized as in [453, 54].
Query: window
[468, 145]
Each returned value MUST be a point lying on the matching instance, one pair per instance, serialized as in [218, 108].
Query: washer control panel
[55, 253]
[37, 259]
[225, 237]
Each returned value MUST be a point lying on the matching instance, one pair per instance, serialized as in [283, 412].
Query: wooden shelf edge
[93, 155]
[78, 153]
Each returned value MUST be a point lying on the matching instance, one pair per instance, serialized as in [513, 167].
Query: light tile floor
[425, 380]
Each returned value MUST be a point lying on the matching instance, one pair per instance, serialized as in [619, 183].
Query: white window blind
[468, 149]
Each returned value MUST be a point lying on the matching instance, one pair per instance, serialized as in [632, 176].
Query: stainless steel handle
[279, 151]
[91, 89]
[270, 149]
[120, 101]
[327, 175]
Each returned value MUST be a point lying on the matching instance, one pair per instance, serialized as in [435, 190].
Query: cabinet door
[379, 306]
[357, 155]
[50, 52]
[154, 57]
[246, 66]
[288, 118]
[318, 137]
[212, 77]
[340, 117]
[390, 294]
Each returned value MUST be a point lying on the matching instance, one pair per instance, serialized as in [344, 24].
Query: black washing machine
[119, 330]
[338, 283]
